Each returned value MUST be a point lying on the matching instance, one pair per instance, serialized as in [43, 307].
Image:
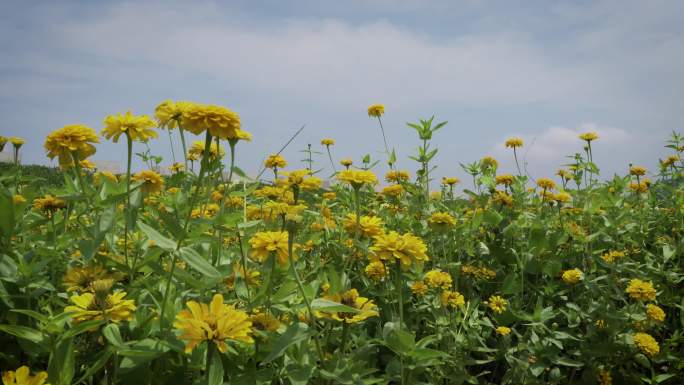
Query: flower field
[202, 275]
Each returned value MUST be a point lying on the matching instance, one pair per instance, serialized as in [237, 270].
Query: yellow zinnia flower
[450, 180]
[275, 161]
[419, 288]
[452, 299]
[441, 219]
[406, 248]
[641, 290]
[572, 276]
[637, 170]
[397, 176]
[169, 113]
[18, 199]
[95, 306]
[82, 278]
[22, 376]
[346, 162]
[74, 140]
[215, 322]
[327, 142]
[655, 313]
[220, 121]
[17, 141]
[48, 204]
[197, 150]
[546, 183]
[489, 162]
[646, 343]
[438, 279]
[350, 298]
[371, 226]
[376, 110]
[138, 128]
[151, 181]
[612, 256]
[357, 178]
[505, 179]
[497, 304]
[176, 167]
[266, 242]
[377, 271]
[589, 136]
[503, 331]
[514, 142]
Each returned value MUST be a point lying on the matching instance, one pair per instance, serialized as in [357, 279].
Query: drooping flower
[266, 242]
[514, 142]
[22, 376]
[69, 142]
[655, 313]
[572, 276]
[151, 182]
[138, 128]
[641, 290]
[497, 304]
[101, 305]
[376, 110]
[275, 161]
[357, 178]
[365, 307]
[216, 322]
[371, 226]
[646, 343]
[406, 248]
[503, 331]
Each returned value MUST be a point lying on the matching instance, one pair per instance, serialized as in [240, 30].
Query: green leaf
[295, 333]
[23, 332]
[192, 258]
[568, 362]
[82, 328]
[331, 306]
[492, 217]
[159, 240]
[61, 365]
[113, 335]
[215, 375]
[7, 217]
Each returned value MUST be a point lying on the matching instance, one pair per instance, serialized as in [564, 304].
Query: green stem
[400, 297]
[173, 153]
[210, 357]
[129, 142]
[331, 160]
[185, 150]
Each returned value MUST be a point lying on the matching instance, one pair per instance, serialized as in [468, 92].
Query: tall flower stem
[400, 295]
[515, 155]
[129, 159]
[384, 139]
[173, 153]
[185, 150]
[331, 160]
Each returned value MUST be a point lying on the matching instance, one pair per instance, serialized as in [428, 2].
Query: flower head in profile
[514, 142]
[101, 304]
[176, 167]
[489, 162]
[346, 162]
[74, 141]
[503, 331]
[641, 290]
[371, 226]
[365, 308]
[497, 304]
[327, 142]
[589, 136]
[376, 110]
[452, 299]
[151, 182]
[22, 376]
[16, 141]
[637, 170]
[198, 147]
[546, 183]
[437, 279]
[406, 248]
[394, 190]
[215, 322]
[48, 204]
[219, 121]
[441, 219]
[377, 271]
[397, 176]
[169, 113]
[450, 180]
[357, 178]
[505, 179]
[646, 343]
[3, 142]
[137, 128]
[275, 161]
[267, 242]
[572, 276]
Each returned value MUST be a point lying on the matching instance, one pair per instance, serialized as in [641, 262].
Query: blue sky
[545, 71]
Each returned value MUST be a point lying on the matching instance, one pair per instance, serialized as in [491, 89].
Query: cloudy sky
[544, 71]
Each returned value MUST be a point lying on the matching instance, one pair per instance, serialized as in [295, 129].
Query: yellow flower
[311, 183]
[69, 141]
[376, 110]
[3, 141]
[327, 142]
[82, 278]
[640, 187]
[503, 198]
[397, 176]
[437, 279]
[151, 181]
[546, 183]
[655, 313]
[330, 195]
[176, 167]
[295, 177]
[377, 271]
[18, 199]
[452, 299]
[419, 288]
[497, 304]
[357, 178]
[441, 219]
[394, 190]
[406, 248]
[264, 322]
[371, 226]
[197, 150]
[17, 141]
[601, 323]
[564, 174]
[220, 121]
[572, 276]
[450, 180]
[514, 142]
[489, 162]
[612, 256]
[637, 171]
[253, 277]
[351, 298]
[346, 162]
[505, 179]
[215, 322]
[22, 376]
[265, 242]
[169, 113]
[275, 161]
[138, 128]
[603, 377]
[646, 343]
[641, 290]
[667, 162]
[48, 204]
[112, 307]
[589, 136]
[503, 331]
[562, 197]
